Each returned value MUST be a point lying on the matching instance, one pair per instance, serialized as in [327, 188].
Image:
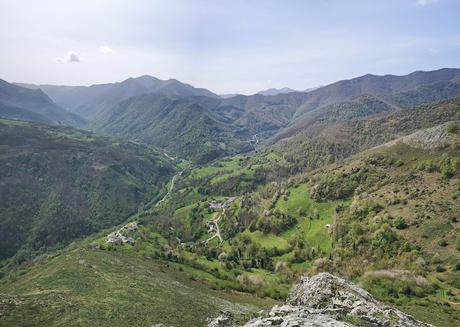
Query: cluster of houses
[213, 204]
[118, 238]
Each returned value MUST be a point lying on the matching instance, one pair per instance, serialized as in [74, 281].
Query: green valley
[117, 231]
[59, 184]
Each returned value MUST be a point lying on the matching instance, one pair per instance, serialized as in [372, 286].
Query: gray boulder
[327, 300]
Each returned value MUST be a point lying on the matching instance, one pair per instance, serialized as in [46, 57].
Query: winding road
[254, 141]
[170, 188]
[217, 234]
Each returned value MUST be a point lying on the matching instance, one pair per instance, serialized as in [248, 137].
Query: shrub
[399, 223]
[452, 128]
[456, 267]
[443, 243]
[440, 269]
[448, 168]
[428, 166]
[457, 243]
[456, 283]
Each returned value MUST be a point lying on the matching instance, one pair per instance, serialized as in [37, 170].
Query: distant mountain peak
[275, 91]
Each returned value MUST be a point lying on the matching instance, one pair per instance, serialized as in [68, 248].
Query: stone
[326, 300]
[225, 318]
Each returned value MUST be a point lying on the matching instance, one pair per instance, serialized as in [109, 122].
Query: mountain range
[151, 202]
[87, 101]
[151, 110]
[275, 91]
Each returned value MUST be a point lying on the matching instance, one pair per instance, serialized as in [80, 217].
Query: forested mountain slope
[33, 105]
[396, 92]
[328, 139]
[181, 126]
[59, 184]
[198, 128]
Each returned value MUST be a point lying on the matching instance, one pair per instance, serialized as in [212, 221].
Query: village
[119, 237]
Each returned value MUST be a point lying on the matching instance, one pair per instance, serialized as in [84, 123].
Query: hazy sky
[226, 46]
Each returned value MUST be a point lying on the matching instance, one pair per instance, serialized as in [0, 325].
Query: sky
[238, 46]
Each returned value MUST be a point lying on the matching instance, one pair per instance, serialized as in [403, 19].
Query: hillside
[199, 125]
[397, 91]
[88, 101]
[334, 136]
[59, 184]
[264, 115]
[375, 85]
[282, 115]
[182, 126]
[83, 287]
[33, 105]
[197, 128]
[385, 218]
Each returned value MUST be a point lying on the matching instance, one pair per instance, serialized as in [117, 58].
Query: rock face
[223, 320]
[326, 300]
[428, 138]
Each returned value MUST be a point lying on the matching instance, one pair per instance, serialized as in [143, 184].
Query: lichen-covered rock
[224, 319]
[326, 300]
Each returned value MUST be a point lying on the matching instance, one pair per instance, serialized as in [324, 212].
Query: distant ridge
[275, 91]
[88, 101]
[21, 103]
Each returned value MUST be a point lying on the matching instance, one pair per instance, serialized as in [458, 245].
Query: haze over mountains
[33, 105]
[275, 91]
[153, 110]
[87, 101]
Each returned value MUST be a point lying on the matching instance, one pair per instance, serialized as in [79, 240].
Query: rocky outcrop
[223, 320]
[326, 300]
[429, 138]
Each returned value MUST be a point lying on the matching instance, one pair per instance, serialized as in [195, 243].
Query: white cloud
[70, 57]
[105, 49]
[426, 2]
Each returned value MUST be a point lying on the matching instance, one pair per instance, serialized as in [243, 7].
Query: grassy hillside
[374, 219]
[385, 218]
[83, 287]
[58, 184]
[399, 234]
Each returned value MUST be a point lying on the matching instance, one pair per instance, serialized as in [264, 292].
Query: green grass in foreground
[101, 288]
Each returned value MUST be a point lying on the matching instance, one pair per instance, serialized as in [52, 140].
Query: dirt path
[217, 234]
[170, 188]
[254, 142]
